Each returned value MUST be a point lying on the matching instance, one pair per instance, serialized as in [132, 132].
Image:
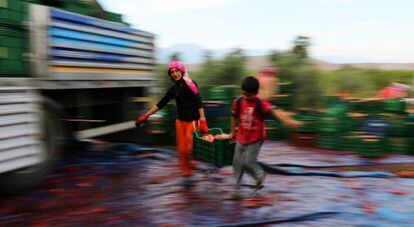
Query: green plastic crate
[11, 67]
[329, 141]
[15, 5]
[276, 130]
[11, 53]
[11, 17]
[223, 92]
[286, 88]
[356, 121]
[373, 106]
[395, 105]
[115, 17]
[282, 100]
[364, 145]
[12, 37]
[309, 120]
[410, 128]
[398, 125]
[220, 152]
[80, 7]
[400, 145]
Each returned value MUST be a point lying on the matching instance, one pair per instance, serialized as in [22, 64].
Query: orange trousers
[184, 136]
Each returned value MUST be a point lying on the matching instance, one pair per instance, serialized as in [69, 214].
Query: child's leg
[252, 167]
[238, 163]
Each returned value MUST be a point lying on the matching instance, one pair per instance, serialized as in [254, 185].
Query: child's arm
[233, 127]
[285, 118]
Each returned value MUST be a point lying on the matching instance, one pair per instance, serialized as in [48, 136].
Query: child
[249, 111]
[190, 113]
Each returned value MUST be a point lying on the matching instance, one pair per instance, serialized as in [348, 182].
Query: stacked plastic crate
[161, 126]
[332, 125]
[367, 127]
[13, 38]
[284, 100]
[305, 135]
[401, 127]
[217, 105]
[82, 7]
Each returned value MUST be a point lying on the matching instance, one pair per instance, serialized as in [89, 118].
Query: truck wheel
[25, 179]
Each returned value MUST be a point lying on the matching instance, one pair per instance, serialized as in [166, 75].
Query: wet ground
[125, 185]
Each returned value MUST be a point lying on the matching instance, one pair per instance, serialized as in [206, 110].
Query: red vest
[251, 126]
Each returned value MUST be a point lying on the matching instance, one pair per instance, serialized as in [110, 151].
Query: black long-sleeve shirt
[187, 102]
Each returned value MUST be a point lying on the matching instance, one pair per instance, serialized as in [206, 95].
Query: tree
[274, 56]
[300, 47]
[227, 71]
[175, 56]
[233, 68]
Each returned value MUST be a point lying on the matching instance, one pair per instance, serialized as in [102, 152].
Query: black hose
[306, 217]
[335, 166]
[274, 170]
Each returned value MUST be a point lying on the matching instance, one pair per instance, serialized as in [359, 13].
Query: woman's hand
[202, 125]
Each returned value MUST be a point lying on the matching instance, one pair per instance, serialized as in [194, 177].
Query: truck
[64, 76]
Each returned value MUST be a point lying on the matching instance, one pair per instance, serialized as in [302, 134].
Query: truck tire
[22, 180]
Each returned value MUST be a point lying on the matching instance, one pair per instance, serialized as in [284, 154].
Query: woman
[189, 110]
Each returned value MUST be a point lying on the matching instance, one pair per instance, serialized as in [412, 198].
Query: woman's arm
[201, 112]
[152, 110]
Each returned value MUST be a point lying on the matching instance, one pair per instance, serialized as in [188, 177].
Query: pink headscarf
[186, 77]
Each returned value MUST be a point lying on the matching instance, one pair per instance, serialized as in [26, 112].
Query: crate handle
[198, 133]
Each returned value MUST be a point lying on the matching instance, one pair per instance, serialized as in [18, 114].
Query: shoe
[187, 182]
[233, 196]
[260, 181]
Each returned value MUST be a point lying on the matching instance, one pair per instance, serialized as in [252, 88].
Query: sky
[357, 30]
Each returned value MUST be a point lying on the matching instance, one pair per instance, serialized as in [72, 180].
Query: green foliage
[297, 70]
[295, 67]
[361, 83]
[227, 71]
[274, 56]
[300, 46]
[175, 57]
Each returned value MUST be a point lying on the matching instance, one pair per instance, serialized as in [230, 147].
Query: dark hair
[250, 84]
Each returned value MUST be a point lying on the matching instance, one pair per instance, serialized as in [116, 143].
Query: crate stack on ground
[367, 128]
[284, 98]
[332, 126]
[217, 105]
[276, 130]
[305, 136]
[161, 125]
[364, 144]
[400, 138]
